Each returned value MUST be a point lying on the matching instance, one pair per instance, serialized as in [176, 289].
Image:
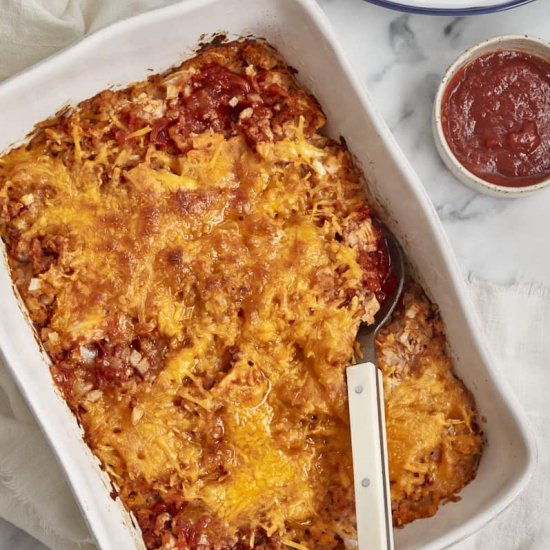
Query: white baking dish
[128, 51]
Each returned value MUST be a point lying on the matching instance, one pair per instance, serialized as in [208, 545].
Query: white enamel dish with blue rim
[450, 7]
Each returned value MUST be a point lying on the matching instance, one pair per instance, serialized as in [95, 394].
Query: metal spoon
[367, 422]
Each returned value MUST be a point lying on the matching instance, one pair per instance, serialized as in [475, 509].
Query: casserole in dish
[196, 259]
[427, 250]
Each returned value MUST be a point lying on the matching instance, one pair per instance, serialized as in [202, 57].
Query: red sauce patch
[388, 277]
[379, 262]
[209, 105]
[496, 118]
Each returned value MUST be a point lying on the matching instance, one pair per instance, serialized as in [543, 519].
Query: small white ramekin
[523, 43]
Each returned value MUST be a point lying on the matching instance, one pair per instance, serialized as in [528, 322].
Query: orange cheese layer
[218, 263]
[197, 260]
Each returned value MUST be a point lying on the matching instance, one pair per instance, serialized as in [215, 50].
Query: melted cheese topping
[171, 249]
[425, 398]
[199, 296]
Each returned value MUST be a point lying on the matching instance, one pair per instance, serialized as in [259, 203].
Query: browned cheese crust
[434, 441]
[197, 259]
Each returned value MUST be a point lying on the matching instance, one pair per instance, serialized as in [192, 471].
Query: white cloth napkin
[516, 321]
[31, 30]
[33, 492]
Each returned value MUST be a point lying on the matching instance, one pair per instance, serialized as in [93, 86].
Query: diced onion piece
[246, 113]
[135, 357]
[411, 313]
[34, 284]
[88, 354]
[94, 395]
[143, 366]
[80, 387]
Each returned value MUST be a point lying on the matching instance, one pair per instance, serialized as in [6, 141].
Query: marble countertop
[402, 58]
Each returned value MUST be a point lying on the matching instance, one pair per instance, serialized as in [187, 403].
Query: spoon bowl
[367, 333]
[397, 272]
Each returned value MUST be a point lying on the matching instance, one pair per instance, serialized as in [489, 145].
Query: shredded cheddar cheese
[197, 260]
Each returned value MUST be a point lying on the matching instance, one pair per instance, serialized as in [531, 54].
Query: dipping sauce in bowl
[495, 116]
[491, 116]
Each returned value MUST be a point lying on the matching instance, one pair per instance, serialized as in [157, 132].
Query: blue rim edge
[458, 11]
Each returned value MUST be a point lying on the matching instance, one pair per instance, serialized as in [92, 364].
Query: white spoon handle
[370, 457]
